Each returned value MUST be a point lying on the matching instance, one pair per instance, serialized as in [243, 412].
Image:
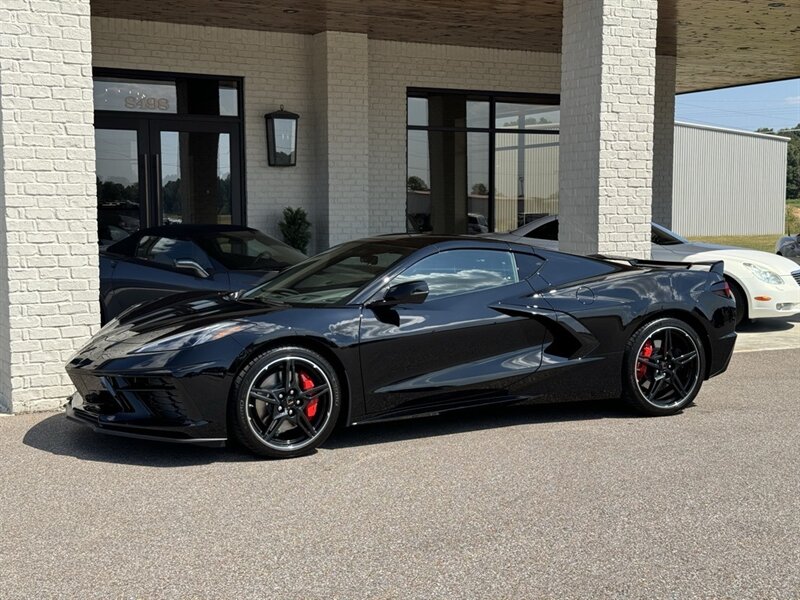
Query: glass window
[250, 250]
[135, 95]
[195, 177]
[417, 111]
[564, 268]
[518, 115]
[167, 251]
[333, 277]
[457, 184]
[418, 191]
[184, 95]
[455, 272]
[526, 178]
[478, 113]
[118, 191]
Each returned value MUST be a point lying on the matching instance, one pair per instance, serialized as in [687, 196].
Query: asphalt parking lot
[579, 500]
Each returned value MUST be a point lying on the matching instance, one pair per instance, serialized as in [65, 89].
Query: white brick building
[139, 102]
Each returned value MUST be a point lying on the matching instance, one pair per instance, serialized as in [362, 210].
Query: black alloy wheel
[664, 366]
[287, 402]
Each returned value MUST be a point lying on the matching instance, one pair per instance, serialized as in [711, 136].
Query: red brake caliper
[306, 384]
[647, 352]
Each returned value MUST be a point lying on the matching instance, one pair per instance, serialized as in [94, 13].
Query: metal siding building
[728, 182]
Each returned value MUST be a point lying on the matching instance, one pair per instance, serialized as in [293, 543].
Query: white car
[764, 284]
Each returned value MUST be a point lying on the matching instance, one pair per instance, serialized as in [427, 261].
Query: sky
[749, 107]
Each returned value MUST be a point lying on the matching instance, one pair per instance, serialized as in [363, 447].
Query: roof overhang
[718, 43]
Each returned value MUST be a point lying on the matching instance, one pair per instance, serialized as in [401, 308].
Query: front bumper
[784, 300]
[147, 407]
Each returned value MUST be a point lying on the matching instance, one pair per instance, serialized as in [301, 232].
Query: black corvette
[397, 326]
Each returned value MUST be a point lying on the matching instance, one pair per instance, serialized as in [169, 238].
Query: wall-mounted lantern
[281, 138]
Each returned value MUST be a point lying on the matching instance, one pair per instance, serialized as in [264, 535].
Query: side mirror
[409, 292]
[192, 267]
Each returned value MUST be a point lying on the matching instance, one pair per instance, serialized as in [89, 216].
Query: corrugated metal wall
[728, 182]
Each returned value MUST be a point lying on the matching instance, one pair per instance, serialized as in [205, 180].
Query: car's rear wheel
[663, 367]
[286, 402]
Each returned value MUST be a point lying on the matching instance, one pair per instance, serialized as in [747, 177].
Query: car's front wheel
[663, 367]
[286, 402]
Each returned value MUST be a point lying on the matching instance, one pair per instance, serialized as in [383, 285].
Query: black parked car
[395, 326]
[156, 262]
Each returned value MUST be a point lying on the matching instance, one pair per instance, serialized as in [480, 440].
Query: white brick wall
[396, 66]
[663, 140]
[342, 88]
[48, 239]
[607, 88]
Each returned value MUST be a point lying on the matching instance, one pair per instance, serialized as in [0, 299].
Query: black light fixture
[281, 138]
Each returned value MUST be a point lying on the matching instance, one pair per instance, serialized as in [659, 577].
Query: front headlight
[194, 337]
[764, 274]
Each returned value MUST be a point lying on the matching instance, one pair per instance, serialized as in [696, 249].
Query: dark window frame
[493, 98]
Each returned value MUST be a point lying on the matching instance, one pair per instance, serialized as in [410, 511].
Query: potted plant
[295, 228]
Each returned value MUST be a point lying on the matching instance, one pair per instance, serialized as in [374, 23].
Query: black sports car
[402, 325]
[159, 261]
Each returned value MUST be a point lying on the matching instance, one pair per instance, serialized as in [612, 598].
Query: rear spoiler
[717, 266]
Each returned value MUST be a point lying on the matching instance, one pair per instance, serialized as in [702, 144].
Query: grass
[765, 243]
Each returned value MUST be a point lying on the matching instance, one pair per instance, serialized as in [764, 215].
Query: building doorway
[168, 150]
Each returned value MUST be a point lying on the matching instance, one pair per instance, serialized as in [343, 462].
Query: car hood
[185, 311]
[696, 252]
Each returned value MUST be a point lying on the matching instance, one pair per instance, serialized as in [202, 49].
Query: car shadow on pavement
[477, 419]
[769, 325]
[58, 436]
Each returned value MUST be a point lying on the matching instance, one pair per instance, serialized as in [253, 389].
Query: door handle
[157, 168]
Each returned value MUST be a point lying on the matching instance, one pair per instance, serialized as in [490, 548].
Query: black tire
[271, 410]
[662, 383]
[741, 302]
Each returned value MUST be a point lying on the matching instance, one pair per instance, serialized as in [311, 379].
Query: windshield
[333, 277]
[250, 251]
[662, 236]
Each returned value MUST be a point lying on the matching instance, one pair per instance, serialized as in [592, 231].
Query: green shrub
[295, 228]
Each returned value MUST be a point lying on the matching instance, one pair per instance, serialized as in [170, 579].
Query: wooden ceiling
[718, 42]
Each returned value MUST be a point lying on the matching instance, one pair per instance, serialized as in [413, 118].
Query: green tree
[416, 184]
[792, 158]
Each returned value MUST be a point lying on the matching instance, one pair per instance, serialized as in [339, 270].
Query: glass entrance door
[195, 167]
[168, 151]
[161, 172]
[120, 183]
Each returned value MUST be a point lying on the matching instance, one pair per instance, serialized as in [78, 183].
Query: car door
[454, 348]
[152, 273]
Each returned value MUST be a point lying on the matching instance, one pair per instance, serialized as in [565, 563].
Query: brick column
[341, 93]
[664, 140]
[606, 143]
[48, 207]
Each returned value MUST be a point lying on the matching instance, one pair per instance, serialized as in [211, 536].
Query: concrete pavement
[568, 501]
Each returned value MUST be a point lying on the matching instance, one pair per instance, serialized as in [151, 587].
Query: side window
[455, 272]
[548, 231]
[565, 268]
[166, 251]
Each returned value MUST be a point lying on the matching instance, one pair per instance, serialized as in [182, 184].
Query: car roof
[442, 241]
